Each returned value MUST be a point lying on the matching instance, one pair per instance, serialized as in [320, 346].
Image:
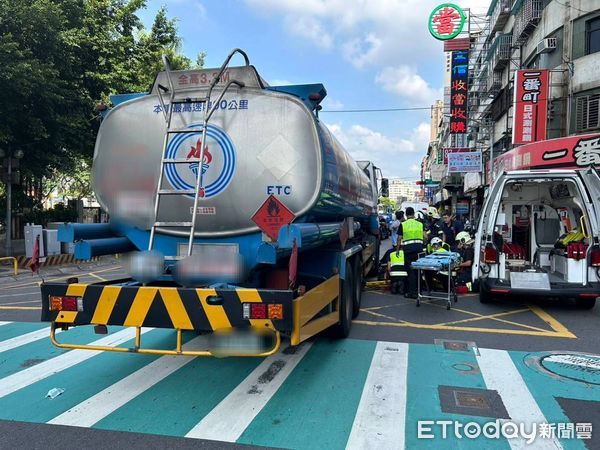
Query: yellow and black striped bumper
[166, 307]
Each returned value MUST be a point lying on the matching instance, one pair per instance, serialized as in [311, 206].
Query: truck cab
[539, 234]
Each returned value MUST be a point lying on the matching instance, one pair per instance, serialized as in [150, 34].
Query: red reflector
[490, 255]
[276, 311]
[69, 304]
[595, 258]
[258, 311]
[589, 295]
[500, 291]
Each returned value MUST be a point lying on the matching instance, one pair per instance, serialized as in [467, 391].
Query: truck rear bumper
[168, 307]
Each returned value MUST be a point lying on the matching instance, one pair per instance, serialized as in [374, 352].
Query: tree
[59, 59]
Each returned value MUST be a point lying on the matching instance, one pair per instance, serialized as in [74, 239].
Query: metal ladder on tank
[168, 114]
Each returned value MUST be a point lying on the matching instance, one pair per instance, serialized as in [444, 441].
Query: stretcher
[444, 263]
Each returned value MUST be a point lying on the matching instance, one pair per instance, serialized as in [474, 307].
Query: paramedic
[411, 236]
[397, 270]
[464, 243]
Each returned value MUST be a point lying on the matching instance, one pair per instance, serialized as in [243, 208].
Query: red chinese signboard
[530, 112]
[573, 152]
[271, 216]
[459, 79]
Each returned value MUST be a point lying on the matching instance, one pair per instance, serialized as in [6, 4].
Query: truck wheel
[585, 303]
[358, 286]
[342, 329]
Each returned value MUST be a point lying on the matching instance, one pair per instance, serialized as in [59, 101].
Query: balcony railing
[500, 14]
[501, 50]
[494, 82]
[526, 18]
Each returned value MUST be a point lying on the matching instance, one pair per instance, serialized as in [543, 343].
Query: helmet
[436, 241]
[464, 238]
[432, 212]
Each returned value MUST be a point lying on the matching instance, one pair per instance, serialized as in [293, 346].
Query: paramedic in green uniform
[411, 236]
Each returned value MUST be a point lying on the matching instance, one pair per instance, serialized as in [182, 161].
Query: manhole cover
[456, 346]
[470, 400]
[578, 367]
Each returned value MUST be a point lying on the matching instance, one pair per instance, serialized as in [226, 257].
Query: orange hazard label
[271, 216]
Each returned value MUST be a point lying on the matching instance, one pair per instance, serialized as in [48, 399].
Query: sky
[369, 54]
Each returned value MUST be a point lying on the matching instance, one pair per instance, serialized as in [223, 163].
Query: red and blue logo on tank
[218, 162]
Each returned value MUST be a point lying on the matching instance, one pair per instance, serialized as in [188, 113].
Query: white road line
[228, 420]
[500, 374]
[105, 402]
[380, 418]
[22, 293]
[33, 374]
[24, 339]
[4, 323]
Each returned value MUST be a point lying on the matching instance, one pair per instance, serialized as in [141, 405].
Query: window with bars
[587, 112]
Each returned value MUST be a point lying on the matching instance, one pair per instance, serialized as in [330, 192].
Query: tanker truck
[241, 216]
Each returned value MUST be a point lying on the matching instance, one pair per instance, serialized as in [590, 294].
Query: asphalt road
[472, 346]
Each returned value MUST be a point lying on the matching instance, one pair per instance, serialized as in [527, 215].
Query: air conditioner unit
[546, 45]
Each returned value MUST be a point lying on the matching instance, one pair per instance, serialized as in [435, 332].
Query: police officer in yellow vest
[411, 236]
[397, 271]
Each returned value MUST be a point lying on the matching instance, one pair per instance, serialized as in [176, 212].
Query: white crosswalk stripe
[500, 374]
[97, 407]
[24, 339]
[47, 368]
[381, 413]
[248, 398]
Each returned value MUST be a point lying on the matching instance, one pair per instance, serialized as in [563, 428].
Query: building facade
[559, 35]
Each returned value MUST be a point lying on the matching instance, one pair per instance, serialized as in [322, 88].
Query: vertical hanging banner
[459, 88]
[530, 109]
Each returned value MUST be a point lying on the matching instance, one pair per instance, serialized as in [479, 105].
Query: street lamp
[11, 157]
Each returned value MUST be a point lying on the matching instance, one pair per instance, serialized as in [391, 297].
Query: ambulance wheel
[485, 296]
[358, 286]
[346, 303]
[585, 303]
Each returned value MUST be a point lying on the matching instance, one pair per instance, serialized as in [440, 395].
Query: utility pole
[8, 227]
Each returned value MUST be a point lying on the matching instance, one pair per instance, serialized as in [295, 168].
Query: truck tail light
[595, 257]
[490, 254]
[273, 311]
[66, 303]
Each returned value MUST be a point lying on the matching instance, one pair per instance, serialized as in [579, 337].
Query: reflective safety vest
[397, 268]
[412, 232]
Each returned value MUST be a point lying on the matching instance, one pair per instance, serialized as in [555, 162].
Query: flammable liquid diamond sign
[271, 216]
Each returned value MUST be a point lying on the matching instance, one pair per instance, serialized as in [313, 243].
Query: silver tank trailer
[259, 142]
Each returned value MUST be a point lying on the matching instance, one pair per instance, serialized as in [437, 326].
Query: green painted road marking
[173, 406]
[11, 330]
[428, 368]
[80, 382]
[315, 406]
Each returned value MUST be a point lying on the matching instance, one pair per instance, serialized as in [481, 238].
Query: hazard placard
[271, 216]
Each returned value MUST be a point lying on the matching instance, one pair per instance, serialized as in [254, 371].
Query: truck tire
[358, 286]
[342, 329]
[585, 303]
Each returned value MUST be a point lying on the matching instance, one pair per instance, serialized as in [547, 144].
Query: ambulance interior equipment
[541, 226]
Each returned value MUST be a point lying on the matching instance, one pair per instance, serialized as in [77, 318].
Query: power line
[373, 110]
